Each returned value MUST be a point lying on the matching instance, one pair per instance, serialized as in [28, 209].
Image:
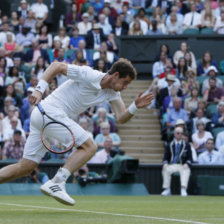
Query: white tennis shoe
[166, 192]
[57, 191]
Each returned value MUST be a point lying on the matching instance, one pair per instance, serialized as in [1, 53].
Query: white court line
[104, 213]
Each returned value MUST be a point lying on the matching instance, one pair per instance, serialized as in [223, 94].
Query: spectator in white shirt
[159, 66]
[219, 143]
[106, 27]
[62, 36]
[3, 34]
[219, 25]
[103, 156]
[85, 25]
[40, 10]
[193, 18]
[210, 156]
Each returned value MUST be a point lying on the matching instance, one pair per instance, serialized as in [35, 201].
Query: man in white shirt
[103, 156]
[219, 139]
[106, 27]
[210, 156]
[40, 10]
[193, 18]
[85, 88]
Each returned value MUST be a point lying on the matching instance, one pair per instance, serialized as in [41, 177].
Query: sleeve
[115, 96]
[86, 74]
[200, 159]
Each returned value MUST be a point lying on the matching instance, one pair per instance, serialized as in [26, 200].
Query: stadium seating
[191, 31]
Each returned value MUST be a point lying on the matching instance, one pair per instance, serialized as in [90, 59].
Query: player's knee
[26, 166]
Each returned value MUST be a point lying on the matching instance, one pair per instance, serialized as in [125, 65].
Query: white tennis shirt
[80, 92]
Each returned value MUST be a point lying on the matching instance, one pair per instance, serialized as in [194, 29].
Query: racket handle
[41, 109]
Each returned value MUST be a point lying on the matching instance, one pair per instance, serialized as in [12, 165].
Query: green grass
[36, 210]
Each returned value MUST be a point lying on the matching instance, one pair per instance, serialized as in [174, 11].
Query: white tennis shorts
[34, 149]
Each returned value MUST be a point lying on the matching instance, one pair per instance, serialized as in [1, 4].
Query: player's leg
[20, 169]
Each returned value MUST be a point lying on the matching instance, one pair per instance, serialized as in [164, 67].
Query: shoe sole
[56, 198]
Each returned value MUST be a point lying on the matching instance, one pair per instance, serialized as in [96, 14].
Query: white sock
[62, 175]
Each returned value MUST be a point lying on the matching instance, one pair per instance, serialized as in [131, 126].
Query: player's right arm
[54, 69]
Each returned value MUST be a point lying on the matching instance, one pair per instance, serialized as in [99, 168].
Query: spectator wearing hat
[105, 133]
[84, 26]
[13, 149]
[200, 137]
[213, 94]
[176, 113]
[74, 41]
[23, 9]
[95, 37]
[25, 37]
[205, 63]
[40, 10]
[212, 72]
[177, 158]
[63, 37]
[113, 11]
[218, 117]
[210, 156]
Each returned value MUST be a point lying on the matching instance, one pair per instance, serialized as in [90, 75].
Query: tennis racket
[56, 136]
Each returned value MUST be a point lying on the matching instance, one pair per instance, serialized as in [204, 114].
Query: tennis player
[84, 88]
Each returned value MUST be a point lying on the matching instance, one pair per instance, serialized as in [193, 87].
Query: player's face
[120, 84]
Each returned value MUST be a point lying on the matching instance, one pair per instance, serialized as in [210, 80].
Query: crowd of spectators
[87, 36]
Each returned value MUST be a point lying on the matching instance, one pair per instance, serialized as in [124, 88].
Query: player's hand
[36, 97]
[143, 100]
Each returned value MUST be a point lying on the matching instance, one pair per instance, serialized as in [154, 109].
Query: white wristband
[132, 108]
[41, 86]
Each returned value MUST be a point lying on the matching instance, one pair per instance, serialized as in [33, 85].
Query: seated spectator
[104, 155]
[219, 142]
[105, 133]
[163, 48]
[200, 115]
[174, 26]
[39, 68]
[23, 9]
[175, 10]
[213, 94]
[111, 57]
[102, 116]
[72, 18]
[37, 177]
[142, 16]
[218, 117]
[190, 83]
[154, 29]
[97, 5]
[191, 103]
[84, 26]
[86, 124]
[210, 156]
[74, 41]
[5, 29]
[219, 24]
[207, 18]
[34, 53]
[127, 15]
[62, 36]
[140, 25]
[160, 18]
[40, 10]
[159, 66]
[182, 68]
[200, 137]
[176, 113]
[100, 65]
[25, 37]
[135, 29]
[54, 52]
[30, 22]
[109, 18]
[14, 23]
[10, 46]
[44, 38]
[176, 161]
[113, 11]
[193, 18]
[111, 44]
[13, 149]
[118, 29]
[79, 58]
[184, 47]
[190, 64]
[212, 72]
[95, 37]
[106, 27]
[205, 63]
[62, 57]
[33, 81]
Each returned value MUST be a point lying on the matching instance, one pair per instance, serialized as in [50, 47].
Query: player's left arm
[124, 114]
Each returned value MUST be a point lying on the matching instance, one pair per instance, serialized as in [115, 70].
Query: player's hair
[124, 67]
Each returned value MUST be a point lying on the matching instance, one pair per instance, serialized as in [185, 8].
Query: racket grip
[41, 109]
